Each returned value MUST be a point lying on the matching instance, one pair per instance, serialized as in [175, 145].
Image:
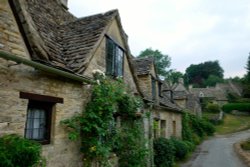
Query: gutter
[45, 68]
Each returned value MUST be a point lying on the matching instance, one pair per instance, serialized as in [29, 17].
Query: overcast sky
[189, 31]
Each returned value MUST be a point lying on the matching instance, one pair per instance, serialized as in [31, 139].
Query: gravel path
[218, 152]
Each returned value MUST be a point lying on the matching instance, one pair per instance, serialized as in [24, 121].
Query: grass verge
[233, 123]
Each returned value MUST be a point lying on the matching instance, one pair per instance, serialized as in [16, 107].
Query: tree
[246, 80]
[247, 77]
[197, 74]
[212, 80]
[162, 61]
[173, 76]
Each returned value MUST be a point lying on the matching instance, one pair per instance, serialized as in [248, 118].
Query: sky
[189, 31]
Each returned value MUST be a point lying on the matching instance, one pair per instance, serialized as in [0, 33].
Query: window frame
[113, 67]
[46, 103]
[47, 107]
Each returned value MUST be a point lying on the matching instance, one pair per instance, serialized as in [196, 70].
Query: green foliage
[197, 74]
[162, 61]
[130, 144]
[173, 76]
[213, 108]
[96, 126]
[181, 148]
[193, 127]
[212, 80]
[246, 145]
[164, 152]
[248, 70]
[16, 151]
[186, 128]
[236, 106]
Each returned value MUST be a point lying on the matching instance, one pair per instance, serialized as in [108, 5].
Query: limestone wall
[171, 128]
[20, 78]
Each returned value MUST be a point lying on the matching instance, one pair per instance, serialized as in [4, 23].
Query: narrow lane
[218, 152]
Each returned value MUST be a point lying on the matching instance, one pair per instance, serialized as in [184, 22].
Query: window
[39, 116]
[163, 128]
[114, 59]
[174, 128]
[153, 84]
[38, 121]
[159, 88]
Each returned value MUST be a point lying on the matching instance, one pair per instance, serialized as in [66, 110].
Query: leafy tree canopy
[162, 61]
[173, 76]
[247, 77]
[212, 80]
[196, 74]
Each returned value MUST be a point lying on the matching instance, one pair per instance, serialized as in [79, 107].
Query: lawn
[233, 123]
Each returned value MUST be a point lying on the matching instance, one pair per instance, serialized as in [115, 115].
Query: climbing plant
[96, 125]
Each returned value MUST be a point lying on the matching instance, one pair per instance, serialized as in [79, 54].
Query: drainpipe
[45, 68]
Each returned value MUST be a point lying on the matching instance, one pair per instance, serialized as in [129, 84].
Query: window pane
[36, 124]
[119, 61]
[110, 57]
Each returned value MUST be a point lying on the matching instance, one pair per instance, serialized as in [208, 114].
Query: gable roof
[59, 39]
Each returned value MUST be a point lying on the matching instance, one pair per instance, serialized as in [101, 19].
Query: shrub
[181, 148]
[207, 127]
[186, 128]
[164, 152]
[194, 128]
[236, 106]
[246, 145]
[214, 108]
[17, 151]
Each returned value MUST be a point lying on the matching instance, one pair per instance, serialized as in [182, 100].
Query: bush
[236, 106]
[164, 152]
[16, 151]
[194, 128]
[246, 145]
[213, 108]
[181, 148]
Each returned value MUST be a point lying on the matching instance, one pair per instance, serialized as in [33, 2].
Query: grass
[233, 123]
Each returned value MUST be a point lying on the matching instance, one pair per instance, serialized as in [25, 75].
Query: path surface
[218, 152]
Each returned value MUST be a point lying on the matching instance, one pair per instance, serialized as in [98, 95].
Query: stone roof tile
[143, 65]
[65, 41]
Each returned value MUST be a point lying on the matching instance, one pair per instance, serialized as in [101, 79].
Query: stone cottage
[167, 115]
[186, 99]
[47, 56]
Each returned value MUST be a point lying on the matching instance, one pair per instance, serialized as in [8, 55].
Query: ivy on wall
[96, 125]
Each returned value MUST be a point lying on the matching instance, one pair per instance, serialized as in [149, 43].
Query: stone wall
[16, 78]
[10, 38]
[171, 128]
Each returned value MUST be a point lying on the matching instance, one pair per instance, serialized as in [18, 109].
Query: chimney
[181, 81]
[64, 3]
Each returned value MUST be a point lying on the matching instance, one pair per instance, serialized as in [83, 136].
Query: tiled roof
[165, 101]
[64, 41]
[210, 93]
[143, 65]
[81, 36]
[178, 95]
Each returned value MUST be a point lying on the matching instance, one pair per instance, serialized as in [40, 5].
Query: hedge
[16, 151]
[236, 106]
[164, 152]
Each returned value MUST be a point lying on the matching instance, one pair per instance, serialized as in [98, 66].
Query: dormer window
[114, 59]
